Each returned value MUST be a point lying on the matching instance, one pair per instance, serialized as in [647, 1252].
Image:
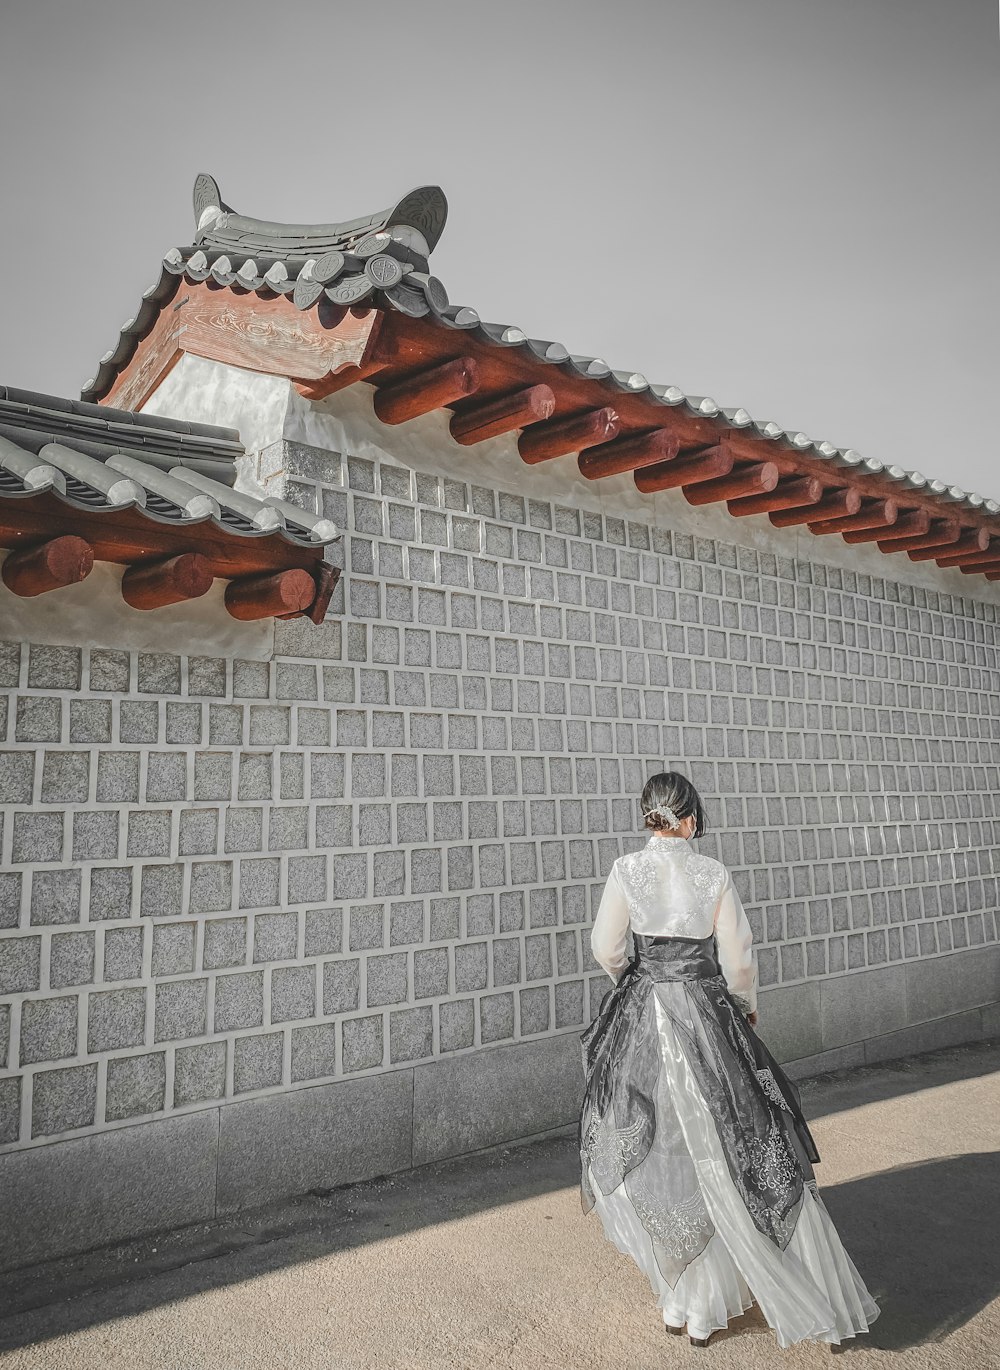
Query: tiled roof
[382, 260]
[99, 459]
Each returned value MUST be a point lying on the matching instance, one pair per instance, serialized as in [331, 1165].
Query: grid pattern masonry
[221, 878]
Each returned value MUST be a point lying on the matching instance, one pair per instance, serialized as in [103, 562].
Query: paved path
[489, 1264]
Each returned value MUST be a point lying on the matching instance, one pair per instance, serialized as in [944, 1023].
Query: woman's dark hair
[677, 793]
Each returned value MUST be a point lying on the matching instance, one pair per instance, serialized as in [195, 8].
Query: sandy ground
[489, 1264]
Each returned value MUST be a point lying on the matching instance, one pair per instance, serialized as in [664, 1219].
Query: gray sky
[790, 205]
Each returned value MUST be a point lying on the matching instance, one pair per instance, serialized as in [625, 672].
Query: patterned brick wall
[224, 877]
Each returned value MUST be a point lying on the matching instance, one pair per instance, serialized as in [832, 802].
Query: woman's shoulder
[708, 873]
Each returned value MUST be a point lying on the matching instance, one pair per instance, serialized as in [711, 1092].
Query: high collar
[665, 839]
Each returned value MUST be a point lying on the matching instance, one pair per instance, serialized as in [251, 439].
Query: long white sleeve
[610, 931]
[734, 940]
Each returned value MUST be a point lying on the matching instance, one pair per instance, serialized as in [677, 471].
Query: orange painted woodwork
[787, 494]
[126, 535]
[257, 332]
[914, 524]
[503, 415]
[971, 541]
[686, 470]
[834, 505]
[979, 567]
[558, 437]
[51, 565]
[948, 557]
[880, 514]
[288, 592]
[942, 533]
[153, 585]
[628, 454]
[749, 480]
[425, 391]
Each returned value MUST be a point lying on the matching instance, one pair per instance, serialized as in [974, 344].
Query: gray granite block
[17, 773]
[63, 1100]
[38, 719]
[71, 959]
[257, 1062]
[118, 778]
[181, 1010]
[275, 937]
[95, 835]
[211, 887]
[318, 1138]
[173, 948]
[457, 1024]
[197, 832]
[109, 670]
[149, 832]
[857, 1006]
[136, 1086]
[314, 1051]
[123, 948]
[225, 943]
[20, 965]
[38, 837]
[10, 1115]
[386, 979]
[488, 1097]
[260, 885]
[239, 1001]
[10, 898]
[324, 931]
[341, 986]
[110, 893]
[55, 897]
[534, 1008]
[199, 1073]
[362, 1043]
[947, 984]
[293, 993]
[411, 1034]
[106, 1187]
[496, 1017]
[162, 890]
[48, 1029]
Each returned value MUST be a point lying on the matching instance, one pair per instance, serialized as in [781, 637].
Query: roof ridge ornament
[421, 215]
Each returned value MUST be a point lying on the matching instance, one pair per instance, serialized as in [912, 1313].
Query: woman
[693, 1145]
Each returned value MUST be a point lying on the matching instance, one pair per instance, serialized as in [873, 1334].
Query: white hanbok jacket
[666, 889]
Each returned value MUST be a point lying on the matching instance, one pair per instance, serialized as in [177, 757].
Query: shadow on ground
[922, 1235]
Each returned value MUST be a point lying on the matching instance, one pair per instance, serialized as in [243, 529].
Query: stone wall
[259, 919]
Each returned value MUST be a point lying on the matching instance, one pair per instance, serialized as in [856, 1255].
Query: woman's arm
[734, 939]
[610, 930]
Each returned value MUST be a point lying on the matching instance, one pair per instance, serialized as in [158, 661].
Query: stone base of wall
[72, 1196]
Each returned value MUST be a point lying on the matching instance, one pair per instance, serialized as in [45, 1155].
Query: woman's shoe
[674, 1331]
[699, 1341]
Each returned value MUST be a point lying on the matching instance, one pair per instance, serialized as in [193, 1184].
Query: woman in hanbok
[693, 1146]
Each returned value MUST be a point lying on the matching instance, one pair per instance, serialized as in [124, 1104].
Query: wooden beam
[574, 434]
[748, 480]
[154, 584]
[516, 410]
[686, 470]
[942, 533]
[980, 568]
[425, 391]
[288, 592]
[126, 535]
[628, 454]
[991, 552]
[971, 541]
[48, 566]
[880, 513]
[787, 494]
[914, 524]
[834, 505]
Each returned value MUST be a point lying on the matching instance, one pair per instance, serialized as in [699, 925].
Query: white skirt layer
[809, 1291]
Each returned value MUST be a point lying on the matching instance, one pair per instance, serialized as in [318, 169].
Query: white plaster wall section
[209, 392]
[345, 422]
[93, 614]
